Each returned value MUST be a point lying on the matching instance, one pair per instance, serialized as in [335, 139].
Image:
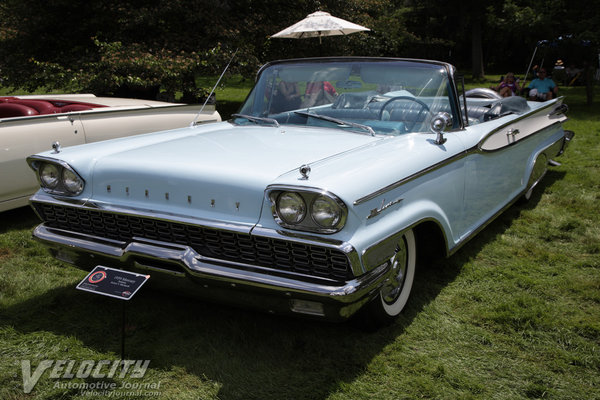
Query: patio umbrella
[319, 24]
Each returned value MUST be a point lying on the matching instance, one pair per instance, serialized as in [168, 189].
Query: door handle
[66, 118]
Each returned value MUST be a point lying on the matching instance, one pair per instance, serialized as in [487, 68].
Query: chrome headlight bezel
[69, 182]
[313, 198]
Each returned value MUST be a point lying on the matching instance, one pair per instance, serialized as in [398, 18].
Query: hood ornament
[305, 172]
[56, 147]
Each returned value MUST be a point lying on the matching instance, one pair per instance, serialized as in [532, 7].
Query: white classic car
[318, 198]
[30, 124]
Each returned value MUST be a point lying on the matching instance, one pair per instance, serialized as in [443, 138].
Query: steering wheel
[396, 98]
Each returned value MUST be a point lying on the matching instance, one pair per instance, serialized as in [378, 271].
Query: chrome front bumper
[175, 266]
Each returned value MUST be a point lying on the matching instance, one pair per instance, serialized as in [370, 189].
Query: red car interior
[15, 107]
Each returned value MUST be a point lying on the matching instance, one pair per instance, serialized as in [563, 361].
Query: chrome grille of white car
[232, 246]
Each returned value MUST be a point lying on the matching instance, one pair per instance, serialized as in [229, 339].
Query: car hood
[218, 174]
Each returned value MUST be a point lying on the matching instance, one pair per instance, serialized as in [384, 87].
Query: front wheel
[395, 292]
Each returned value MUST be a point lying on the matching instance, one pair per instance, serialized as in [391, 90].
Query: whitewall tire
[395, 292]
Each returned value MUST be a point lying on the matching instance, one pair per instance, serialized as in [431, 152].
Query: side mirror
[439, 124]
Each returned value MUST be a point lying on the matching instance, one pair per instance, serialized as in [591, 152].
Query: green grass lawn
[515, 314]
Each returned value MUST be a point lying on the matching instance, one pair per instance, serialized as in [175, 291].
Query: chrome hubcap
[393, 287]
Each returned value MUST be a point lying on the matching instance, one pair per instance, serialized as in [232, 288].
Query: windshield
[389, 97]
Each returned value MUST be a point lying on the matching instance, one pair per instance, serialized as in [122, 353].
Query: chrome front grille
[226, 245]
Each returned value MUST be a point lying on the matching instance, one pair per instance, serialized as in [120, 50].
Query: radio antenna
[213, 89]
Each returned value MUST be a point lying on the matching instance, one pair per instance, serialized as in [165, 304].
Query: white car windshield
[388, 97]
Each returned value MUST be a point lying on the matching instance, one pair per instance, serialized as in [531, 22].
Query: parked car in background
[30, 124]
[316, 204]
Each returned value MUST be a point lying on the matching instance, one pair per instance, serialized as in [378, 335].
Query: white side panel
[109, 125]
[21, 138]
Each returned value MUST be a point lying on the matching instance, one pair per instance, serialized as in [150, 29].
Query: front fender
[377, 240]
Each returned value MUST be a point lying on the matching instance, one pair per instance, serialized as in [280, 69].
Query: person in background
[318, 93]
[509, 86]
[542, 88]
[287, 97]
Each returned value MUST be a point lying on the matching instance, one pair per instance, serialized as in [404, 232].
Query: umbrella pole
[529, 67]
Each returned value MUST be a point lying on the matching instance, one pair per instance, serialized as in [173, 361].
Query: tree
[477, 20]
[48, 44]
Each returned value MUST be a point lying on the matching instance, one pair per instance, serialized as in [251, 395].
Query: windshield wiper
[254, 119]
[337, 121]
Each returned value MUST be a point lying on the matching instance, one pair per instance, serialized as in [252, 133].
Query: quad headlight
[326, 212]
[56, 176]
[291, 208]
[307, 209]
[49, 175]
[71, 181]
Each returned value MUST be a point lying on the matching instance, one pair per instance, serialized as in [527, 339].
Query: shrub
[132, 71]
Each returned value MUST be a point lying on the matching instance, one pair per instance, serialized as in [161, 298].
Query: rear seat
[477, 112]
[399, 113]
[74, 107]
[16, 107]
[42, 106]
[349, 113]
[8, 110]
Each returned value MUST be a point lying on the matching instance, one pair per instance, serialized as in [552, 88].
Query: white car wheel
[394, 294]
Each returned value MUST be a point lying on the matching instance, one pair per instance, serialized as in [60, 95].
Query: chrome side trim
[416, 175]
[452, 159]
[382, 250]
[191, 108]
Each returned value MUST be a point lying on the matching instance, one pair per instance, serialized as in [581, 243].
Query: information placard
[112, 282]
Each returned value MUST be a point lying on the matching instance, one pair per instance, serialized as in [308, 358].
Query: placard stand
[116, 283]
[123, 320]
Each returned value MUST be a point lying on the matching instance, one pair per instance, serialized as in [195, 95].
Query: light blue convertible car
[316, 199]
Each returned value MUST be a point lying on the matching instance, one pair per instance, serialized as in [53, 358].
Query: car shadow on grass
[18, 218]
[248, 354]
